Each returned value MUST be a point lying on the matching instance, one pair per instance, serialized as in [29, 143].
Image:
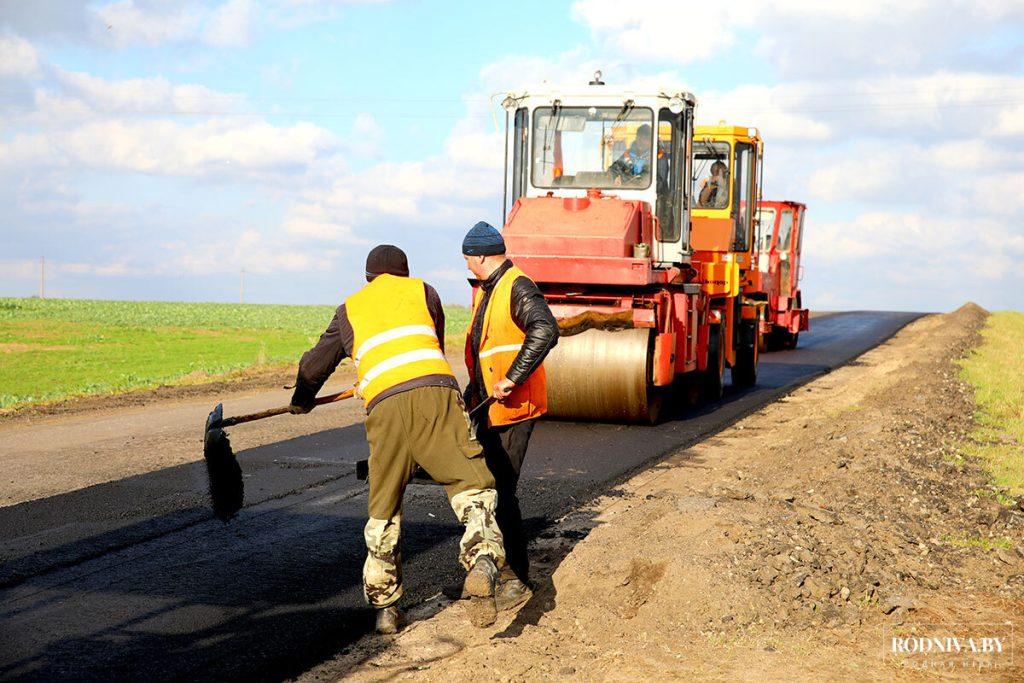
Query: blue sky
[154, 149]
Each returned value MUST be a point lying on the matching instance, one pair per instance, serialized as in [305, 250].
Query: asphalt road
[133, 578]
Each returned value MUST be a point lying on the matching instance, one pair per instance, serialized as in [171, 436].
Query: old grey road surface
[135, 579]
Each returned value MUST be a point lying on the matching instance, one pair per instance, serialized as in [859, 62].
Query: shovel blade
[227, 492]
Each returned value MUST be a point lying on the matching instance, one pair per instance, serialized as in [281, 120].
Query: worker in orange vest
[511, 331]
[393, 329]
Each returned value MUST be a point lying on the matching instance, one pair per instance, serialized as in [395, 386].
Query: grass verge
[996, 371]
[54, 349]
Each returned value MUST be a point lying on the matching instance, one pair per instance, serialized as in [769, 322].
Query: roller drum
[602, 375]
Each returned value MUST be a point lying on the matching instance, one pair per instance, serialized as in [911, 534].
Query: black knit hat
[386, 259]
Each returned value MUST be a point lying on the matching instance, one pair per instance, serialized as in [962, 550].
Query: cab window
[711, 174]
[800, 234]
[519, 154]
[785, 230]
[765, 226]
[670, 172]
[743, 205]
[592, 147]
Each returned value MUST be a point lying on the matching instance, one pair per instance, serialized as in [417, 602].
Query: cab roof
[551, 91]
[723, 130]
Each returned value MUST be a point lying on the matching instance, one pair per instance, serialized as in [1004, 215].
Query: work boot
[511, 592]
[390, 620]
[479, 588]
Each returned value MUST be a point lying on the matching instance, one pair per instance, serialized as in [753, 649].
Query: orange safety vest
[394, 336]
[500, 341]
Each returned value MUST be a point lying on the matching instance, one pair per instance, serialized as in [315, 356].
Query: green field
[996, 371]
[51, 349]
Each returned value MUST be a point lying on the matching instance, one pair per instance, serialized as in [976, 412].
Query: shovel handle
[322, 400]
[481, 409]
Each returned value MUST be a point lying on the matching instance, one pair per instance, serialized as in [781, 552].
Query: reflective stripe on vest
[394, 337]
[405, 331]
[501, 349]
[397, 362]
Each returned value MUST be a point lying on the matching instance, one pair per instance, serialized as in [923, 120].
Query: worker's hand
[298, 410]
[503, 388]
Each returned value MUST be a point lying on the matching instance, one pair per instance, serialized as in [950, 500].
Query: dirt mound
[970, 314]
[790, 546]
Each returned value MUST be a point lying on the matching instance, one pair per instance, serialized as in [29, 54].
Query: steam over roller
[602, 375]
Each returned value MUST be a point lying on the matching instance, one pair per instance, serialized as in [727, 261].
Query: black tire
[744, 373]
[714, 375]
[791, 340]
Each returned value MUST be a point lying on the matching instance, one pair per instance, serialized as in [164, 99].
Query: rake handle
[241, 419]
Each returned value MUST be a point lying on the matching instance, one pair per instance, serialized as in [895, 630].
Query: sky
[154, 150]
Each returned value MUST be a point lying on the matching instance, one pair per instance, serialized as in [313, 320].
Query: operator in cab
[511, 331]
[393, 329]
[635, 162]
[714, 190]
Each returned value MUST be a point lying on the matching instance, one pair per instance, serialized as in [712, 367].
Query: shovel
[222, 469]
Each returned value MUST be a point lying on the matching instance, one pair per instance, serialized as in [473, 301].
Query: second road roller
[637, 227]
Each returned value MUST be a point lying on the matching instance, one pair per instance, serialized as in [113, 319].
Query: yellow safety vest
[500, 341]
[394, 336]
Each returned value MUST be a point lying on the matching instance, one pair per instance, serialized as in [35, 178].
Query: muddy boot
[390, 620]
[511, 592]
[479, 589]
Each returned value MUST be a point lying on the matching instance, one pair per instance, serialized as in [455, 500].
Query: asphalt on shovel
[225, 476]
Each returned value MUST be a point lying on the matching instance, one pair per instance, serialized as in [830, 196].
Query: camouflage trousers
[426, 426]
[382, 571]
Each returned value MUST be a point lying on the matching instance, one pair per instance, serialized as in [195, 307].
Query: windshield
[766, 223]
[592, 147]
[711, 174]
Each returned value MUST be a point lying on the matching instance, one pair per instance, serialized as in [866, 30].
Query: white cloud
[448, 274]
[155, 95]
[19, 268]
[805, 38]
[225, 148]
[112, 269]
[230, 24]
[252, 251]
[128, 23]
[316, 222]
[926, 249]
[18, 58]
[651, 31]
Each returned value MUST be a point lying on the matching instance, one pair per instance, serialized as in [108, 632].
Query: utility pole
[241, 288]
[42, 277]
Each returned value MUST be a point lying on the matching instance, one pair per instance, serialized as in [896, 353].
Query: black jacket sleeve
[436, 312]
[531, 314]
[317, 364]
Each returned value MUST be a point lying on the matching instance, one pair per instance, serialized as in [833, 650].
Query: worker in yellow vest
[393, 329]
[511, 331]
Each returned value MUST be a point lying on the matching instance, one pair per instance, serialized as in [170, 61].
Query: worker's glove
[299, 410]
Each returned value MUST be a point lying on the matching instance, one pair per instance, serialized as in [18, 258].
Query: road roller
[778, 271]
[602, 184]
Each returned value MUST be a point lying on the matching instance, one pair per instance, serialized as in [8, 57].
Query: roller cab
[726, 180]
[779, 242]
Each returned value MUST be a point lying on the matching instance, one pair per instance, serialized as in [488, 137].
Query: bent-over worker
[393, 329]
[511, 331]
